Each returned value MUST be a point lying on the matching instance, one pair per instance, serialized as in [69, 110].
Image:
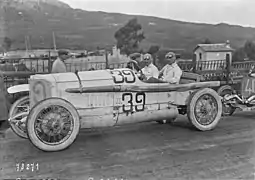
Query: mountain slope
[79, 29]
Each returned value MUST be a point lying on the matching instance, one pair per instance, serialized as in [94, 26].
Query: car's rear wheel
[204, 109]
[53, 124]
[227, 110]
[18, 116]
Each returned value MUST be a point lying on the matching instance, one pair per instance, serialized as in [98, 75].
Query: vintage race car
[61, 104]
[242, 98]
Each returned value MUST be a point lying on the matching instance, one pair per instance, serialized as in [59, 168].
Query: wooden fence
[44, 65]
[17, 71]
[221, 70]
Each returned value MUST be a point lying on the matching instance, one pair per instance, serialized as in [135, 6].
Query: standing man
[4, 107]
[59, 64]
[150, 70]
[171, 72]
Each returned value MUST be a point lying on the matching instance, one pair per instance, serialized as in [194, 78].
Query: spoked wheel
[227, 110]
[18, 116]
[204, 109]
[53, 124]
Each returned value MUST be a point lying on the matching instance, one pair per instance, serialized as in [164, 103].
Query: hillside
[79, 29]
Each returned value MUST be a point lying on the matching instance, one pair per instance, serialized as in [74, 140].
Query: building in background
[208, 52]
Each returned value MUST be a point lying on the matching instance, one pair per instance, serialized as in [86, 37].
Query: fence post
[228, 68]
[194, 63]
[49, 63]
[106, 60]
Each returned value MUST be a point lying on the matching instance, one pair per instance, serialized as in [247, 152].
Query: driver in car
[171, 72]
[150, 70]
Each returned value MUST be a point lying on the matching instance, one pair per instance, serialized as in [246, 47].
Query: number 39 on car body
[123, 76]
[133, 102]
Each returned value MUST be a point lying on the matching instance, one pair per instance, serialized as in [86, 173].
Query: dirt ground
[141, 152]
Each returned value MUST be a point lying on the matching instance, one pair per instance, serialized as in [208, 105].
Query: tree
[207, 41]
[7, 44]
[239, 55]
[129, 36]
[249, 48]
[153, 50]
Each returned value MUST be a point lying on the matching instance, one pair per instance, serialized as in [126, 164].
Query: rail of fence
[13, 68]
[216, 70]
[202, 65]
[27, 64]
[72, 67]
[42, 65]
[17, 71]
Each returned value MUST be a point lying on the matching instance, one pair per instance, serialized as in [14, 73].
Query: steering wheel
[133, 65]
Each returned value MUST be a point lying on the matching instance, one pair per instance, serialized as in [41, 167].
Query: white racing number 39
[123, 76]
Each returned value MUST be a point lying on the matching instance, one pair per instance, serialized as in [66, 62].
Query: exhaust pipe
[250, 99]
[229, 97]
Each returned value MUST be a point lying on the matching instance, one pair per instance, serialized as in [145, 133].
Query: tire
[21, 132]
[226, 109]
[53, 117]
[193, 107]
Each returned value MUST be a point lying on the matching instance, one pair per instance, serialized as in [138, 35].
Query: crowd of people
[170, 73]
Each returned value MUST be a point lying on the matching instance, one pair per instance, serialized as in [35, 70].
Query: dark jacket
[4, 101]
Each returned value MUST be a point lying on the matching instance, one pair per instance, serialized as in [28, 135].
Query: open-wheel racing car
[61, 104]
[242, 98]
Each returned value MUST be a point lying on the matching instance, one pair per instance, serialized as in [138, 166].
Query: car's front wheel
[53, 124]
[18, 116]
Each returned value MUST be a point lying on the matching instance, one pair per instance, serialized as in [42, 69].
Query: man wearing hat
[59, 64]
[171, 72]
[149, 70]
[135, 61]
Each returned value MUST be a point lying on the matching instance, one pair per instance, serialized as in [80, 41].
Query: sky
[236, 12]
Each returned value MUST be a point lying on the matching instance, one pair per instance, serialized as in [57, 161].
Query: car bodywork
[107, 98]
[244, 99]
[112, 97]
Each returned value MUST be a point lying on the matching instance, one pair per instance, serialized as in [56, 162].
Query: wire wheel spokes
[19, 120]
[22, 107]
[54, 125]
[18, 115]
[206, 109]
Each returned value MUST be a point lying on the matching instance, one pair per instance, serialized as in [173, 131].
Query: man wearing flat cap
[59, 64]
[171, 72]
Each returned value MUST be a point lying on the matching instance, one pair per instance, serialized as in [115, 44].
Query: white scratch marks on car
[99, 100]
[118, 101]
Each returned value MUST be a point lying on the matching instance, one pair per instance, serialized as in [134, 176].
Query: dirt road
[142, 152]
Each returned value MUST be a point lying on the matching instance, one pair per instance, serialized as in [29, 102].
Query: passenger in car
[171, 72]
[134, 62]
[150, 70]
